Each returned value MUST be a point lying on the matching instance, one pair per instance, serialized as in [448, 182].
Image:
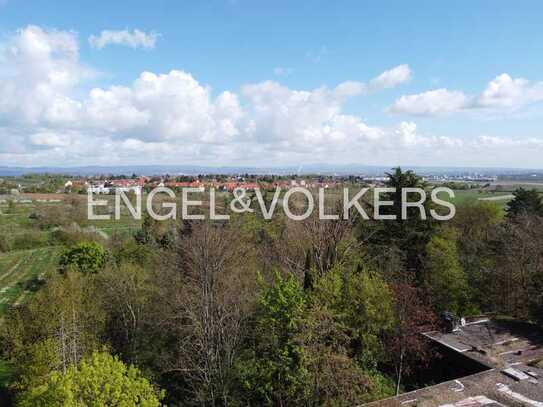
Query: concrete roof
[513, 353]
[494, 343]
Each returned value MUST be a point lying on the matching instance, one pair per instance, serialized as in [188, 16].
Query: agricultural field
[472, 195]
[16, 218]
[22, 272]
[29, 248]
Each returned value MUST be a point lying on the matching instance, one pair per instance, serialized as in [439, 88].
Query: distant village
[137, 184]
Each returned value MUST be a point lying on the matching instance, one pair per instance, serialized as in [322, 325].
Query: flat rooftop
[494, 343]
[513, 354]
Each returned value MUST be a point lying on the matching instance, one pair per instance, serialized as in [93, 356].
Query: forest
[275, 312]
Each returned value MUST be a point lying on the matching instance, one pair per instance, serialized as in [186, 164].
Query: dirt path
[497, 198]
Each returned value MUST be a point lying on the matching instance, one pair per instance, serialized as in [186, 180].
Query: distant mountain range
[322, 169]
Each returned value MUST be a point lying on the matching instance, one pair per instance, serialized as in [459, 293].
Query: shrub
[87, 257]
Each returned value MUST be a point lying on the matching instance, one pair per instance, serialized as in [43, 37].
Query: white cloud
[503, 93]
[47, 117]
[49, 139]
[134, 39]
[506, 92]
[295, 119]
[393, 77]
[41, 69]
[433, 102]
[164, 107]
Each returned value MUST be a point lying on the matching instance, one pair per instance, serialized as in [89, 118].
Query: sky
[254, 83]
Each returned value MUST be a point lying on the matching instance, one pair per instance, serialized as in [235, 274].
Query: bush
[87, 257]
[73, 235]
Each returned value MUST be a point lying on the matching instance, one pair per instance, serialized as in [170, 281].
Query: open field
[471, 195]
[22, 272]
[16, 221]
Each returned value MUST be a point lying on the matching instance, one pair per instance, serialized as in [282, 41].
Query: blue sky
[257, 82]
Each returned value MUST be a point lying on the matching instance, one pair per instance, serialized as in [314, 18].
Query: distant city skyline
[254, 84]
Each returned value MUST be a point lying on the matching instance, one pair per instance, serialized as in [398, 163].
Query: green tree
[87, 257]
[36, 364]
[477, 224]
[99, 380]
[61, 324]
[406, 237]
[361, 303]
[525, 202]
[444, 276]
[273, 371]
[336, 378]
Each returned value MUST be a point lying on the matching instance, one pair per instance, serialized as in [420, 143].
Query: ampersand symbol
[239, 204]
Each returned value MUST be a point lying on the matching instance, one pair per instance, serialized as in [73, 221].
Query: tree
[361, 302]
[516, 284]
[204, 292]
[335, 377]
[86, 257]
[525, 202]
[407, 348]
[99, 380]
[273, 371]
[444, 277]
[477, 224]
[36, 364]
[66, 315]
[406, 237]
[126, 291]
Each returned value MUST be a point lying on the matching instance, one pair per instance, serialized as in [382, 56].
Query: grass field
[22, 272]
[470, 195]
[16, 221]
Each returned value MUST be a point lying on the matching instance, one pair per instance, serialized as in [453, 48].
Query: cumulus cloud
[298, 119]
[393, 77]
[502, 93]
[506, 92]
[134, 39]
[164, 107]
[433, 102]
[47, 118]
[41, 69]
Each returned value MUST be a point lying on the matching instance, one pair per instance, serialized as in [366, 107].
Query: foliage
[66, 316]
[406, 237]
[60, 215]
[361, 303]
[86, 257]
[274, 370]
[476, 224]
[129, 251]
[37, 364]
[407, 348]
[517, 282]
[445, 278]
[336, 378]
[337, 323]
[525, 202]
[99, 380]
